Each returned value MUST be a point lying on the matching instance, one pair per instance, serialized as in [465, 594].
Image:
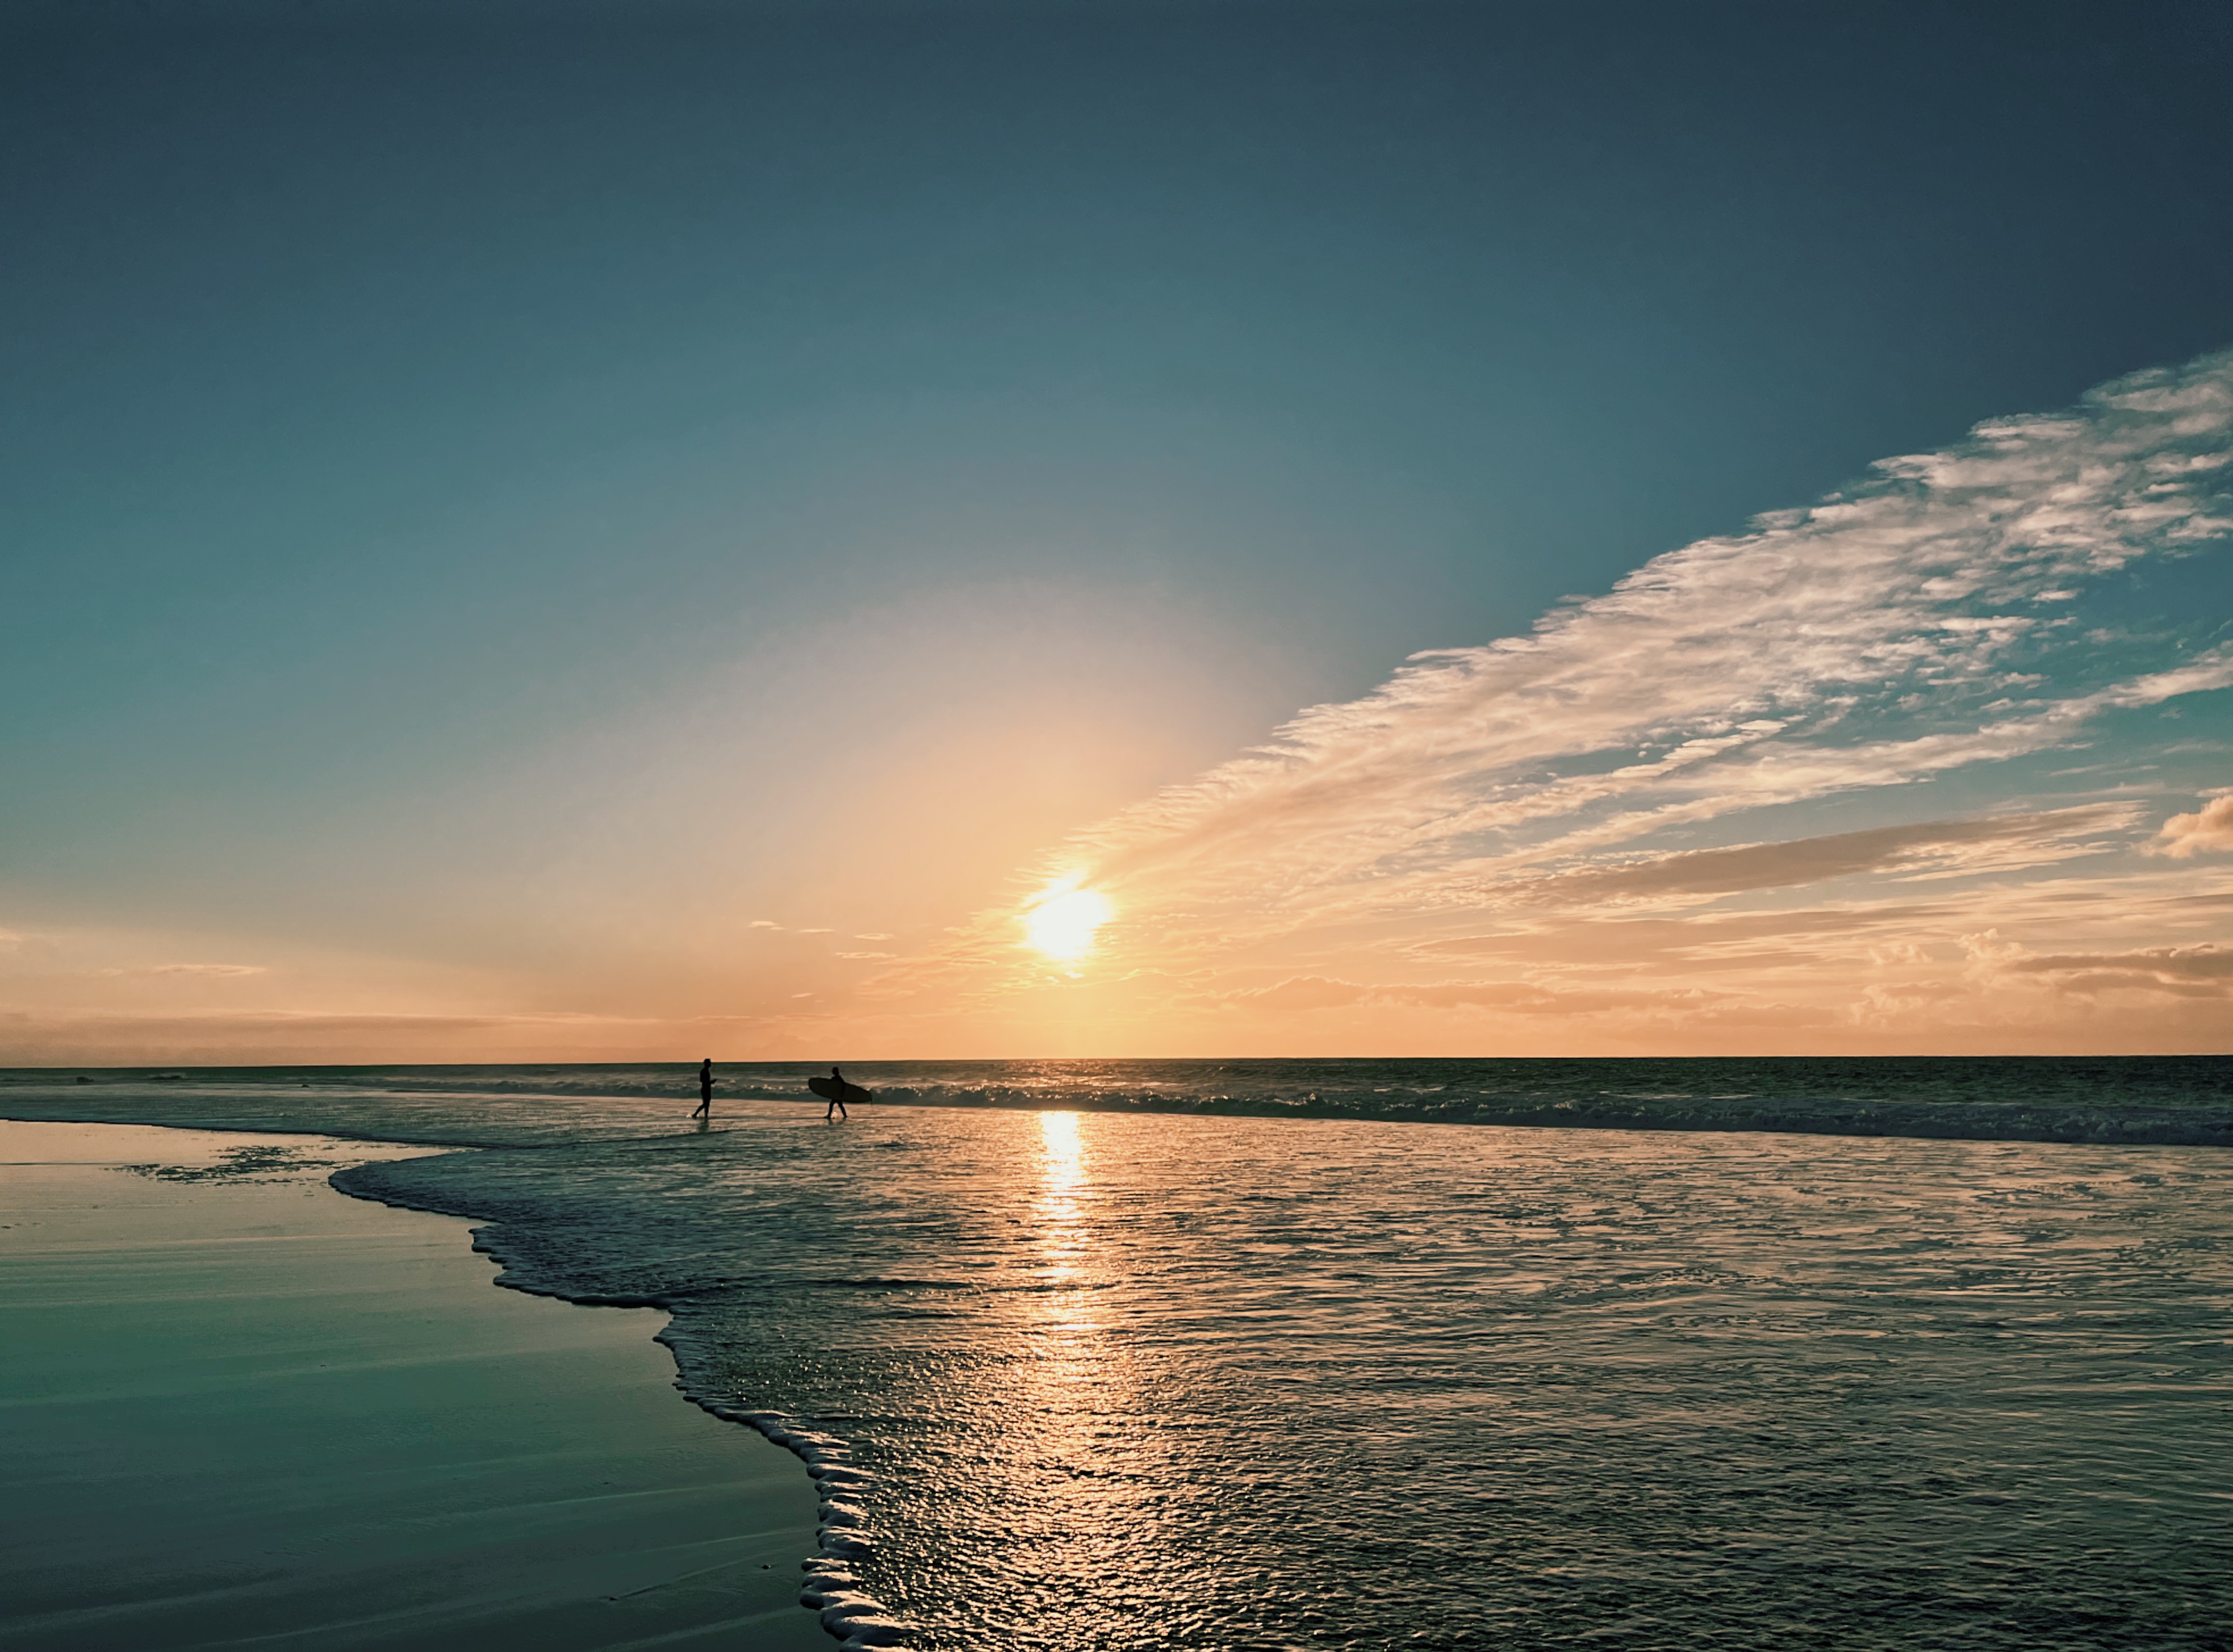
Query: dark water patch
[251, 1164]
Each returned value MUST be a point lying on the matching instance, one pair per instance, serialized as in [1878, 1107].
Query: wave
[2171, 1101]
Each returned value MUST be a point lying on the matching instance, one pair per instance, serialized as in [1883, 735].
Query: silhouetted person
[837, 1108]
[705, 1110]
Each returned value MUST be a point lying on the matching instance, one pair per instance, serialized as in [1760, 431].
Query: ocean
[1289, 1355]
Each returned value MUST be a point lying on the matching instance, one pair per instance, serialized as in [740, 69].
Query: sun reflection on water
[1064, 1154]
[1059, 1206]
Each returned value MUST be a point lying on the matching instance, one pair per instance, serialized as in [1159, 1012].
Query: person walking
[837, 1108]
[705, 1110]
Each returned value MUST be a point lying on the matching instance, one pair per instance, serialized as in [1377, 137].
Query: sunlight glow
[1063, 1155]
[1062, 1230]
[1063, 924]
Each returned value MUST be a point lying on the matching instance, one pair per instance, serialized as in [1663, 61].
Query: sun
[1063, 923]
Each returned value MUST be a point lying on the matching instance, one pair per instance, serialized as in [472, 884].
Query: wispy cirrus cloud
[1937, 621]
[1939, 847]
[1317, 992]
[1920, 622]
[214, 970]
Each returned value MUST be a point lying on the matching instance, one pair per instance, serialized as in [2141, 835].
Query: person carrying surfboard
[837, 1108]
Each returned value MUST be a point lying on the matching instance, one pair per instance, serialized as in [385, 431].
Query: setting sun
[1063, 924]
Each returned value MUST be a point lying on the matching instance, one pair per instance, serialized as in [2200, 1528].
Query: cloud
[1297, 995]
[1766, 785]
[1523, 997]
[2196, 971]
[1307, 994]
[1927, 847]
[220, 970]
[1921, 622]
[285, 1036]
[868, 955]
[2209, 830]
[1597, 934]
[762, 923]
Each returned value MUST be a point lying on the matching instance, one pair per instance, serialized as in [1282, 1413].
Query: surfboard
[849, 1094]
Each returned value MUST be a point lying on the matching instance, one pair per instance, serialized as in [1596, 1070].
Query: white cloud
[2211, 829]
[1683, 743]
[1869, 642]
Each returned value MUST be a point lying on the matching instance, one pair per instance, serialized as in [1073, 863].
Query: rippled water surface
[2185, 1099]
[1111, 1380]
[1145, 1382]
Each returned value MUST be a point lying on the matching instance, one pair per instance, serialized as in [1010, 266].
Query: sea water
[2185, 1099]
[1093, 1376]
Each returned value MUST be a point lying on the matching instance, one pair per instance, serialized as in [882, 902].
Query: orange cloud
[1612, 812]
[1964, 846]
[2193, 972]
[2211, 829]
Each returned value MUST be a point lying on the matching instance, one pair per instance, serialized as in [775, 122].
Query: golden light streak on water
[1062, 1175]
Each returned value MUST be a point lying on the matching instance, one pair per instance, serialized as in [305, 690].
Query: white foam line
[857, 1618]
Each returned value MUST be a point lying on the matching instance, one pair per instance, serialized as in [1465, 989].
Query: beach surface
[240, 1408]
[1113, 1381]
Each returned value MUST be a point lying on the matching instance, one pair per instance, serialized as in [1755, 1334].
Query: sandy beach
[241, 1408]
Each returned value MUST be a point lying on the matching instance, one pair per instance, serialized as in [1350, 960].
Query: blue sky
[504, 498]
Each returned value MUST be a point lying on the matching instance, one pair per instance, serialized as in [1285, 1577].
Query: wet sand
[237, 1407]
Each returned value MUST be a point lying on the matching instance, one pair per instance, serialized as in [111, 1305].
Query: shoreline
[829, 1587]
[2108, 1132]
[258, 1410]
[2174, 1101]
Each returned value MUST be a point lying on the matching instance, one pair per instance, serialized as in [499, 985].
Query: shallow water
[1119, 1379]
[1146, 1383]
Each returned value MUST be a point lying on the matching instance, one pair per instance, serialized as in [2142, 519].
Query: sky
[600, 531]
